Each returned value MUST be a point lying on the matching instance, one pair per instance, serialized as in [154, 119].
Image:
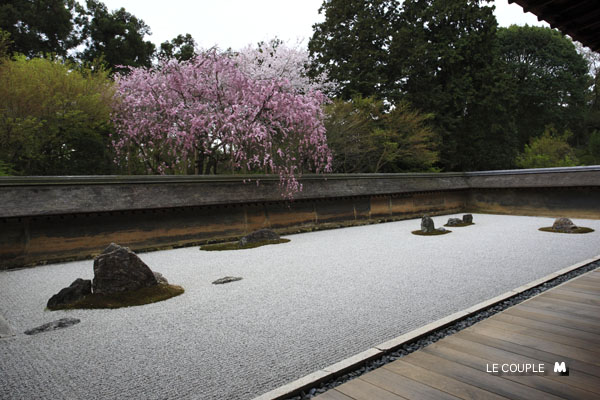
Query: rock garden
[121, 279]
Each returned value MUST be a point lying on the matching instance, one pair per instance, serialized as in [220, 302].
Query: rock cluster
[564, 225]
[116, 270]
[427, 225]
[466, 219]
[258, 236]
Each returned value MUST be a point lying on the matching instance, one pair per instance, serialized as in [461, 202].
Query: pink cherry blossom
[214, 107]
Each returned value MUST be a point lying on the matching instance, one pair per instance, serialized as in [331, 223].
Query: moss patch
[580, 229]
[460, 225]
[434, 233]
[236, 245]
[140, 297]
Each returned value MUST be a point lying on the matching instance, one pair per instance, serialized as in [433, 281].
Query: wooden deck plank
[574, 303]
[333, 395]
[584, 280]
[457, 388]
[549, 327]
[551, 388]
[579, 290]
[475, 377]
[587, 356]
[359, 389]
[576, 378]
[563, 319]
[588, 368]
[551, 318]
[403, 386]
[594, 289]
[534, 333]
[591, 316]
[574, 296]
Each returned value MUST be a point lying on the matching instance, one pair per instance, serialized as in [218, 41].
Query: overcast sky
[237, 23]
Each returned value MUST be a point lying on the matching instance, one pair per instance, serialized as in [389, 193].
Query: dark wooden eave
[579, 19]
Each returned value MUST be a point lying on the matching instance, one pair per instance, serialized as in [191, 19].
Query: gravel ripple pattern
[302, 305]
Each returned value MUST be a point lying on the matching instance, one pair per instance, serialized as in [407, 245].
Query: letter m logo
[561, 368]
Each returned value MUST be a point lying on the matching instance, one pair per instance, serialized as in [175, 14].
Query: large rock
[427, 225]
[564, 225]
[259, 236]
[118, 270]
[76, 291]
[454, 222]
[468, 218]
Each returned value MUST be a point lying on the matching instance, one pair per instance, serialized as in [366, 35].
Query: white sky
[237, 23]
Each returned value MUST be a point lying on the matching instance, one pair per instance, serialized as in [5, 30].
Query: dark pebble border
[410, 347]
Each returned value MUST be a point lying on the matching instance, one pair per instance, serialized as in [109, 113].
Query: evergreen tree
[39, 27]
[181, 48]
[351, 45]
[549, 80]
[445, 55]
[117, 38]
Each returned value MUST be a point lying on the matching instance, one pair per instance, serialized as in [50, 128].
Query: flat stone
[226, 279]
[259, 236]
[118, 270]
[52, 326]
[76, 291]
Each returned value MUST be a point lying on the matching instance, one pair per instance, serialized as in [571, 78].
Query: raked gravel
[301, 306]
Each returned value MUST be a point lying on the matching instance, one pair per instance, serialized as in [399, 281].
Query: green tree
[39, 27]
[351, 45]
[364, 137]
[116, 38]
[445, 55]
[549, 79]
[54, 118]
[551, 149]
[181, 48]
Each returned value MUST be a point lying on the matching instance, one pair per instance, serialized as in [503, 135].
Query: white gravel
[301, 306]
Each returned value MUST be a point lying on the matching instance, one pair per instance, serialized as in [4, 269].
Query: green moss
[580, 229]
[139, 297]
[434, 233]
[460, 225]
[236, 245]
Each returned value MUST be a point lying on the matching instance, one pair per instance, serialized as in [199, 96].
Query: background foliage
[413, 85]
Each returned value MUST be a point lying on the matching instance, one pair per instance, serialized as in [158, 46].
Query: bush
[549, 150]
[54, 117]
[364, 137]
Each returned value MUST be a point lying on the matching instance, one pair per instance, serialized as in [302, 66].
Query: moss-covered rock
[579, 229]
[147, 295]
[237, 246]
[432, 233]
